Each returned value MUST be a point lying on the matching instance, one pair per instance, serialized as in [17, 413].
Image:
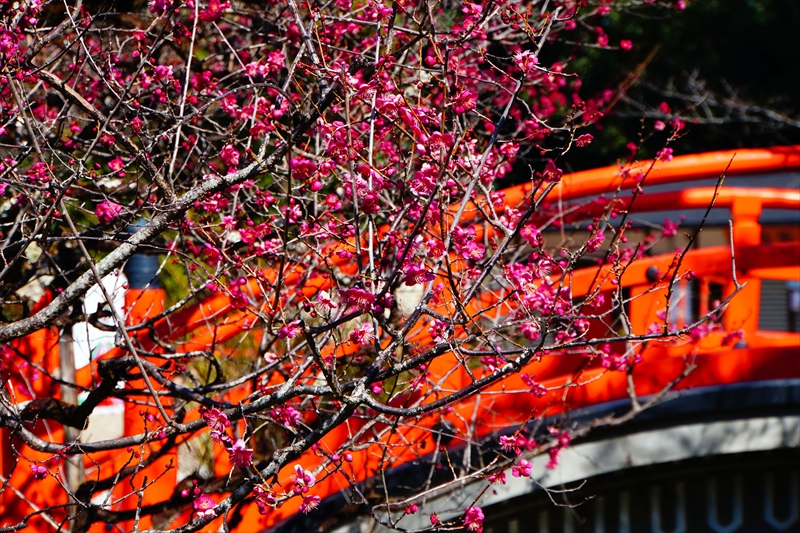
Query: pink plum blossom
[39, 472]
[464, 101]
[265, 500]
[325, 302]
[159, 6]
[107, 211]
[230, 156]
[670, 228]
[551, 172]
[116, 165]
[464, 243]
[310, 502]
[563, 440]
[473, 519]
[205, 506]
[526, 61]
[215, 10]
[537, 389]
[664, 154]
[416, 273]
[530, 330]
[522, 469]
[302, 168]
[363, 334]
[290, 330]
[240, 455]
[276, 60]
[287, 416]
[162, 73]
[302, 479]
[357, 298]
[215, 419]
[498, 477]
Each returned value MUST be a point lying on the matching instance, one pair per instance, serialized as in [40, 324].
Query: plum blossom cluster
[473, 519]
[303, 481]
[562, 441]
[218, 421]
[516, 443]
[337, 268]
[203, 505]
[107, 211]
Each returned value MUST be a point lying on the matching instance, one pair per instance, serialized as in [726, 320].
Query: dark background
[752, 46]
